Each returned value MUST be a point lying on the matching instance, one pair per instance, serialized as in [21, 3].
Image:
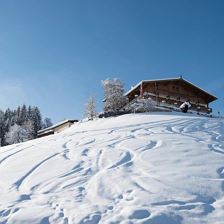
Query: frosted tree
[16, 134]
[28, 118]
[90, 108]
[29, 127]
[47, 123]
[114, 98]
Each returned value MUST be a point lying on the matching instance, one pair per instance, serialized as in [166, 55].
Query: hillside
[160, 168]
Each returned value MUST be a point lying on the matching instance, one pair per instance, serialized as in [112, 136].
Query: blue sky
[54, 54]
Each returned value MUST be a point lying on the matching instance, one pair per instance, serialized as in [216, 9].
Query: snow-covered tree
[16, 134]
[28, 118]
[9, 120]
[47, 123]
[29, 127]
[90, 108]
[114, 98]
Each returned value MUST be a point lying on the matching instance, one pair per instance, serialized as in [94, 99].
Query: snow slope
[159, 168]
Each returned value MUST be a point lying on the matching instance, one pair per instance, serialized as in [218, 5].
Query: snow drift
[158, 168]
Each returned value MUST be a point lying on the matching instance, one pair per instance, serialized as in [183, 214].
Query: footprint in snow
[164, 219]
[220, 172]
[125, 160]
[59, 215]
[91, 219]
[152, 145]
[140, 214]
[24, 197]
[85, 152]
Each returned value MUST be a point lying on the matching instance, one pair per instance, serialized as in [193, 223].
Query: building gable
[172, 91]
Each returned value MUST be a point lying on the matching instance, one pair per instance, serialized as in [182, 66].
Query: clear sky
[54, 54]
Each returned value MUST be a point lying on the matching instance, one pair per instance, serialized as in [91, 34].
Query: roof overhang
[57, 125]
[47, 132]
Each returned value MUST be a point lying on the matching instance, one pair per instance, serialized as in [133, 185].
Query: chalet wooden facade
[56, 128]
[172, 93]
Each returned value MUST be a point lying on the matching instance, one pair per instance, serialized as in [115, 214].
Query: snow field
[157, 168]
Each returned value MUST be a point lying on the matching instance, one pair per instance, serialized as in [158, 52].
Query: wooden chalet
[172, 93]
[56, 128]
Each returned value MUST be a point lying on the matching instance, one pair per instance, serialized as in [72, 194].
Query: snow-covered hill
[160, 168]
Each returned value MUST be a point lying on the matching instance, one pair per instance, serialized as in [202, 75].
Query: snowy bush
[143, 105]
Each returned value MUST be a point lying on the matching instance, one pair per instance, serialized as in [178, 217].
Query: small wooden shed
[56, 128]
[173, 92]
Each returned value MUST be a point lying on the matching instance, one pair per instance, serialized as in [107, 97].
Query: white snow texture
[155, 168]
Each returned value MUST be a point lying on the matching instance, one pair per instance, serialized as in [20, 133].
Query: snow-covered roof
[169, 79]
[57, 125]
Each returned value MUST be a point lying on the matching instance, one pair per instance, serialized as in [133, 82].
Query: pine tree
[113, 95]
[22, 123]
[29, 113]
[90, 108]
[9, 120]
[18, 116]
[37, 120]
[23, 114]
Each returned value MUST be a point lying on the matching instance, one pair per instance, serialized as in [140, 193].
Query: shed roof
[57, 125]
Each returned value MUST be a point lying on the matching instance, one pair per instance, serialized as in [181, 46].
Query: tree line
[21, 124]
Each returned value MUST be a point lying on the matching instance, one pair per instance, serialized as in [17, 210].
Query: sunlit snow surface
[139, 168]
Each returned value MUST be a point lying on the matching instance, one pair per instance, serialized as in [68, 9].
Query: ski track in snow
[140, 168]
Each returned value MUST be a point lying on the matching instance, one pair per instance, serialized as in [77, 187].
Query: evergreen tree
[18, 116]
[23, 114]
[29, 113]
[9, 119]
[20, 124]
[37, 120]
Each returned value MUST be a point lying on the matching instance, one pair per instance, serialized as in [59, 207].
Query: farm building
[56, 128]
[172, 93]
